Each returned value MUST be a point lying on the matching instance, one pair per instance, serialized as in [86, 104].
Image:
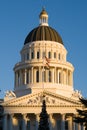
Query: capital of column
[63, 116]
[63, 121]
[24, 116]
[37, 117]
[51, 117]
[11, 115]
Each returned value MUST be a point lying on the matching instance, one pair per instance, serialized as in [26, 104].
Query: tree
[43, 123]
[82, 114]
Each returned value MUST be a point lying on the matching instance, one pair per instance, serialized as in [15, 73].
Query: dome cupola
[43, 32]
[43, 18]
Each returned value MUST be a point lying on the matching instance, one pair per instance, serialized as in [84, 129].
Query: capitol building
[43, 71]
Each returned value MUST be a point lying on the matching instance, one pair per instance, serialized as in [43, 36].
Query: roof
[43, 33]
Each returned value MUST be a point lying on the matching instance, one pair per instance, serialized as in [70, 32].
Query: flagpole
[43, 74]
[43, 61]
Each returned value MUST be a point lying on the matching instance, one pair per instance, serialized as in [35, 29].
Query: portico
[23, 112]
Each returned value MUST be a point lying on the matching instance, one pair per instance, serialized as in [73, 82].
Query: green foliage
[43, 123]
[82, 114]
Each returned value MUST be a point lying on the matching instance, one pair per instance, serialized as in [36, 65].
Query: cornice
[35, 100]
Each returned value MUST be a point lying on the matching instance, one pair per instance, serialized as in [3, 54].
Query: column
[29, 75]
[52, 75]
[40, 74]
[29, 53]
[70, 123]
[5, 122]
[63, 122]
[83, 127]
[74, 125]
[62, 76]
[25, 76]
[41, 53]
[24, 122]
[51, 121]
[35, 53]
[20, 77]
[37, 121]
[71, 78]
[79, 126]
[66, 77]
[32, 75]
[57, 55]
[52, 56]
[46, 71]
[55, 74]
[11, 122]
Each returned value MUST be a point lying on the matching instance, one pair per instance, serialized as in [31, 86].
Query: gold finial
[43, 17]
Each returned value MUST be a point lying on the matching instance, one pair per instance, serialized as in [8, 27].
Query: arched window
[54, 54]
[37, 76]
[27, 56]
[59, 76]
[18, 78]
[38, 55]
[49, 76]
[49, 54]
[27, 80]
[69, 78]
[32, 55]
[59, 56]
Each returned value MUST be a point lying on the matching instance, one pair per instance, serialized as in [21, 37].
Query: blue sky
[19, 17]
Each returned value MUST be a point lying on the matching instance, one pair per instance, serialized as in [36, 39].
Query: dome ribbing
[43, 33]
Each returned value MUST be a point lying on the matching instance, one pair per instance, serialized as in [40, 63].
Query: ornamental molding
[35, 99]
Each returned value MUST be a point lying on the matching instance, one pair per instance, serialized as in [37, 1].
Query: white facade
[33, 80]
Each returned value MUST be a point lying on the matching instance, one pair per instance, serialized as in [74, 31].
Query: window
[49, 76]
[54, 54]
[59, 77]
[59, 56]
[27, 78]
[32, 55]
[38, 55]
[37, 76]
[27, 56]
[49, 54]
[18, 78]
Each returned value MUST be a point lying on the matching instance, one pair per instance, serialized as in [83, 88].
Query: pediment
[35, 99]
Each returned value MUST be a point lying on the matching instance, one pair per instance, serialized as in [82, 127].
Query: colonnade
[35, 74]
[59, 123]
